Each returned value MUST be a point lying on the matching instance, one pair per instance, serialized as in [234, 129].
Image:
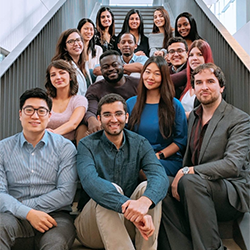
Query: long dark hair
[99, 26]
[62, 53]
[166, 111]
[193, 34]
[167, 26]
[91, 46]
[125, 26]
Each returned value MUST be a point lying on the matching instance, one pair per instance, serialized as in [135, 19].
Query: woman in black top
[105, 26]
[133, 23]
[185, 27]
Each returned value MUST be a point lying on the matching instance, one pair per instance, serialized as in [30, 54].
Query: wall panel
[28, 70]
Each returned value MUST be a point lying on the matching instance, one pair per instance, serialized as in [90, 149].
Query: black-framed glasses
[72, 41]
[29, 110]
[178, 51]
[117, 114]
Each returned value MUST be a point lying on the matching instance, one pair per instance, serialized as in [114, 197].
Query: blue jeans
[19, 234]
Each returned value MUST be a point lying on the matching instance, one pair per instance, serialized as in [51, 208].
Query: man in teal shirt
[121, 209]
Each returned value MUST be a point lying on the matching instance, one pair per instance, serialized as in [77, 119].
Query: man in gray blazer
[214, 184]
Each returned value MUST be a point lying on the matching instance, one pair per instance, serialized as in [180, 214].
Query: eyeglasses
[118, 114]
[72, 41]
[178, 51]
[29, 111]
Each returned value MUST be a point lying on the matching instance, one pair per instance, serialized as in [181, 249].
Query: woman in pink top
[68, 108]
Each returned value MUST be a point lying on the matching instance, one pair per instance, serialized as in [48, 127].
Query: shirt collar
[198, 112]
[132, 60]
[183, 66]
[44, 139]
[111, 145]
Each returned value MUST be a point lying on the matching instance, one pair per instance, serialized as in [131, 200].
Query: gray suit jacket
[225, 152]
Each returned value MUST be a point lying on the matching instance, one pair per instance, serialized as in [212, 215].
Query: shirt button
[32, 153]
[32, 171]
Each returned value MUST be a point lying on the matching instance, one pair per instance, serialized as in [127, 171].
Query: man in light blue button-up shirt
[37, 180]
[132, 63]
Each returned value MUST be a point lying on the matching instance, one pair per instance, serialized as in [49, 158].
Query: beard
[127, 54]
[113, 132]
[115, 80]
[208, 101]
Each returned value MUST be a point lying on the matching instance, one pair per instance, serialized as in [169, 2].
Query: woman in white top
[68, 108]
[199, 53]
[161, 33]
[92, 52]
[70, 48]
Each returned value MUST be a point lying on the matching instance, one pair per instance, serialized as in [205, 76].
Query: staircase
[146, 13]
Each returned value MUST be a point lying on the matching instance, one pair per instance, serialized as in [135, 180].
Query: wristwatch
[185, 170]
[161, 155]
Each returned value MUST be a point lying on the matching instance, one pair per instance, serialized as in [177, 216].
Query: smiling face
[34, 125]
[127, 45]
[195, 58]
[159, 19]
[74, 45]
[112, 68]
[152, 77]
[134, 22]
[59, 78]
[113, 119]
[183, 26]
[177, 54]
[106, 19]
[207, 88]
[87, 31]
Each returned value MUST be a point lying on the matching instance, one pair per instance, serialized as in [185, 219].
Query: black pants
[192, 222]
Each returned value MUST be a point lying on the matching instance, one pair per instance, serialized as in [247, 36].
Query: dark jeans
[19, 234]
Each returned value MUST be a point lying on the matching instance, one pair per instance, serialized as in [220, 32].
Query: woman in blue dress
[158, 116]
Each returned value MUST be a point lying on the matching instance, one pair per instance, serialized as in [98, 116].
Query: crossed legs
[98, 227]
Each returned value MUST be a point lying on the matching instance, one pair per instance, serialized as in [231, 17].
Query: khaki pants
[98, 227]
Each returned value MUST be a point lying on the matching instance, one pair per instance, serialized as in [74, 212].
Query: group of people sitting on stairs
[143, 123]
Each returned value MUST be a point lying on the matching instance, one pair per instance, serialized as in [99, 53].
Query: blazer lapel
[187, 156]
[218, 114]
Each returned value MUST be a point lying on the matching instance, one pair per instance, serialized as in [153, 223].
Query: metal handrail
[15, 53]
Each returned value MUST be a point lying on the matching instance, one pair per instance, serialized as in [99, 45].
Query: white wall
[131, 2]
[242, 36]
[19, 17]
